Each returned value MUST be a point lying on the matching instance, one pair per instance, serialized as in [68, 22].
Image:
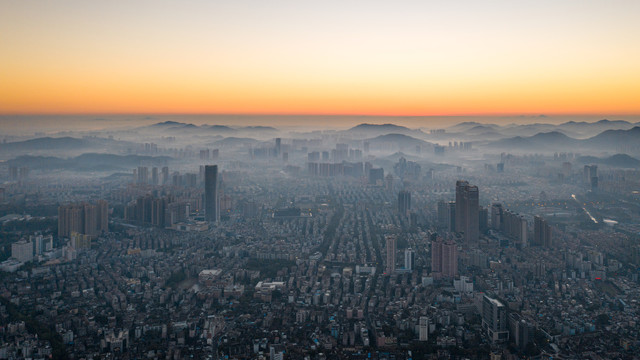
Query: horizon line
[500, 115]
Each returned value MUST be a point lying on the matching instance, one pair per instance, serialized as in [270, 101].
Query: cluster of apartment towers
[464, 219]
[467, 218]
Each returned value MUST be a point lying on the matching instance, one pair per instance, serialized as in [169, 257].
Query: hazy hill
[397, 142]
[616, 138]
[464, 126]
[369, 130]
[235, 141]
[178, 128]
[539, 142]
[45, 143]
[88, 162]
[617, 160]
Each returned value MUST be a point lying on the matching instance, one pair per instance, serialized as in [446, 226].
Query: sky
[388, 58]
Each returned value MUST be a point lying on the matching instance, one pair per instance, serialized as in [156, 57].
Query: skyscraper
[154, 175]
[436, 257]
[494, 319]
[408, 259]
[443, 214]
[449, 259]
[541, 232]
[143, 175]
[165, 175]
[83, 218]
[444, 258]
[404, 202]
[211, 208]
[467, 211]
[278, 146]
[423, 328]
[391, 254]
[496, 216]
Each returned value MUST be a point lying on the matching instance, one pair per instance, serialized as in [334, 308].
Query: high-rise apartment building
[443, 214]
[211, 206]
[515, 226]
[496, 216]
[541, 232]
[409, 257]
[404, 202]
[444, 258]
[165, 176]
[154, 176]
[449, 259]
[391, 254]
[423, 329]
[83, 218]
[467, 211]
[22, 250]
[494, 319]
[143, 175]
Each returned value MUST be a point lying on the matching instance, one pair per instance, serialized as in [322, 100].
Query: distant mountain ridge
[399, 141]
[176, 126]
[548, 141]
[88, 162]
[617, 160]
[45, 143]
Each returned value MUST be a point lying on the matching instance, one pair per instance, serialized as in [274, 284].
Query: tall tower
[154, 175]
[404, 202]
[449, 259]
[436, 256]
[409, 257]
[541, 232]
[211, 207]
[278, 146]
[461, 205]
[165, 175]
[391, 254]
[467, 210]
[424, 328]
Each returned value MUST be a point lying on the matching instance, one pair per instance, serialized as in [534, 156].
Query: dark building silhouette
[541, 232]
[591, 176]
[278, 146]
[83, 218]
[404, 202]
[154, 176]
[391, 254]
[375, 175]
[496, 216]
[444, 258]
[165, 176]
[211, 206]
[443, 214]
[515, 227]
[467, 211]
[483, 222]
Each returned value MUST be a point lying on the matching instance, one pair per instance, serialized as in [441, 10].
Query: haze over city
[319, 180]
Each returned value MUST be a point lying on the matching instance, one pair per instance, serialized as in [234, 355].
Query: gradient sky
[320, 57]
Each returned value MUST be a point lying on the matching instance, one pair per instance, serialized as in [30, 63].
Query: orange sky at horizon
[361, 58]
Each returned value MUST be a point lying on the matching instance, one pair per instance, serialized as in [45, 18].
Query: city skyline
[320, 180]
